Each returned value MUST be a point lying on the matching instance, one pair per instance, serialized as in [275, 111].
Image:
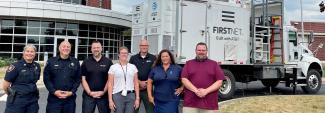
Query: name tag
[102, 65]
[148, 61]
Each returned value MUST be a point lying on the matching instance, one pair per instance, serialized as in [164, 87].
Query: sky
[310, 9]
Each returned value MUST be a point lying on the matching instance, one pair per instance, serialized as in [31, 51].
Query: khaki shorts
[197, 110]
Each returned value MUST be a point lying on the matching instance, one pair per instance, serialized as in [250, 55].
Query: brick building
[105, 4]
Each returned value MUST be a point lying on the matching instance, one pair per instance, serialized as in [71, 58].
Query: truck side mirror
[321, 45]
[321, 7]
[316, 50]
[311, 38]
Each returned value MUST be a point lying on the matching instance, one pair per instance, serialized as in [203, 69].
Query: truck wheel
[314, 82]
[270, 82]
[228, 87]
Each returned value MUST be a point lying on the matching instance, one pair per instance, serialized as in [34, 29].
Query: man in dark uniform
[143, 61]
[94, 72]
[62, 78]
[20, 83]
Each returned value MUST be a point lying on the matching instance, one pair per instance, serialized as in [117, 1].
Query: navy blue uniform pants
[56, 105]
[89, 104]
[23, 104]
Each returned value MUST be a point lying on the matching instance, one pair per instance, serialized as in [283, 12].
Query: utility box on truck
[248, 39]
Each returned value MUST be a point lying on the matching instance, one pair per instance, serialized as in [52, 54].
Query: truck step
[297, 85]
[299, 78]
[301, 84]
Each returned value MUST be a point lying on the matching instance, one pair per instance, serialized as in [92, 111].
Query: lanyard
[124, 72]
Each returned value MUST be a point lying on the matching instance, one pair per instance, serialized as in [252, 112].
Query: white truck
[249, 39]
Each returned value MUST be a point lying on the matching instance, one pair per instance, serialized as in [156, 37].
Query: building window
[76, 1]
[33, 31]
[18, 47]
[5, 39]
[33, 39]
[47, 31]
[34, 23]
[48, 24]
[46, 40]
[5, 48]
[7, 22]
[7, 30]
[20, 30]
[21, 23]
[16, 33]
[20, 39]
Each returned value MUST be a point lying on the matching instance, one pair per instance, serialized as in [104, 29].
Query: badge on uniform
[35, 67]
[72, 64]
[23, 71]
[10, 68]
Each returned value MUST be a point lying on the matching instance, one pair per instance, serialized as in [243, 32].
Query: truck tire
[270, 82]
[228, 86]
[313, 81]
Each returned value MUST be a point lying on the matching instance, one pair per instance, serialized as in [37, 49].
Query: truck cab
[248, 39]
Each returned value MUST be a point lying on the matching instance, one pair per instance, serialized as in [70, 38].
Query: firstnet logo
[228, 16]
[154, 6]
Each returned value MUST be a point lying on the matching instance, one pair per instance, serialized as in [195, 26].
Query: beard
[97, 54]
[201, 58]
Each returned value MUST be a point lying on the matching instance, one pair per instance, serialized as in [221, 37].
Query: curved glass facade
[81, 2]
[46, 34]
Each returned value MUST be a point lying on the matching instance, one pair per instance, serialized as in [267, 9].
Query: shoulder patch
[10, 68]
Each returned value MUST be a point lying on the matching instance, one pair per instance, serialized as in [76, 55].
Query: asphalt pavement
[243, 90]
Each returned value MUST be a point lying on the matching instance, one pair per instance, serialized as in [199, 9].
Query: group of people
[157, 82]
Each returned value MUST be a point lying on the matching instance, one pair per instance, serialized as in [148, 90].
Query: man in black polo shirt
[143, 61]
[94, 81]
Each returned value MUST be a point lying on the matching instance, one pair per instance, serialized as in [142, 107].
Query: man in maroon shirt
[202, 78]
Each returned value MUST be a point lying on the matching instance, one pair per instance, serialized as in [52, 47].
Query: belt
[129, 91]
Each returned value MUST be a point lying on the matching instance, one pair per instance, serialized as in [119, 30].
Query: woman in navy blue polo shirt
[165, 77]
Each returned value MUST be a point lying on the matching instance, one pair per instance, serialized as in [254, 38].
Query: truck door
[228, 33]
[294, 53]
[192, 25]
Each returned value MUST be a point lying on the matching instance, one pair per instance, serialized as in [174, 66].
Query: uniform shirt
[23, 76]
[62, 74]
[143, 64]
[202, 74]
[96, 72]
[165, 82]
[119, 82]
